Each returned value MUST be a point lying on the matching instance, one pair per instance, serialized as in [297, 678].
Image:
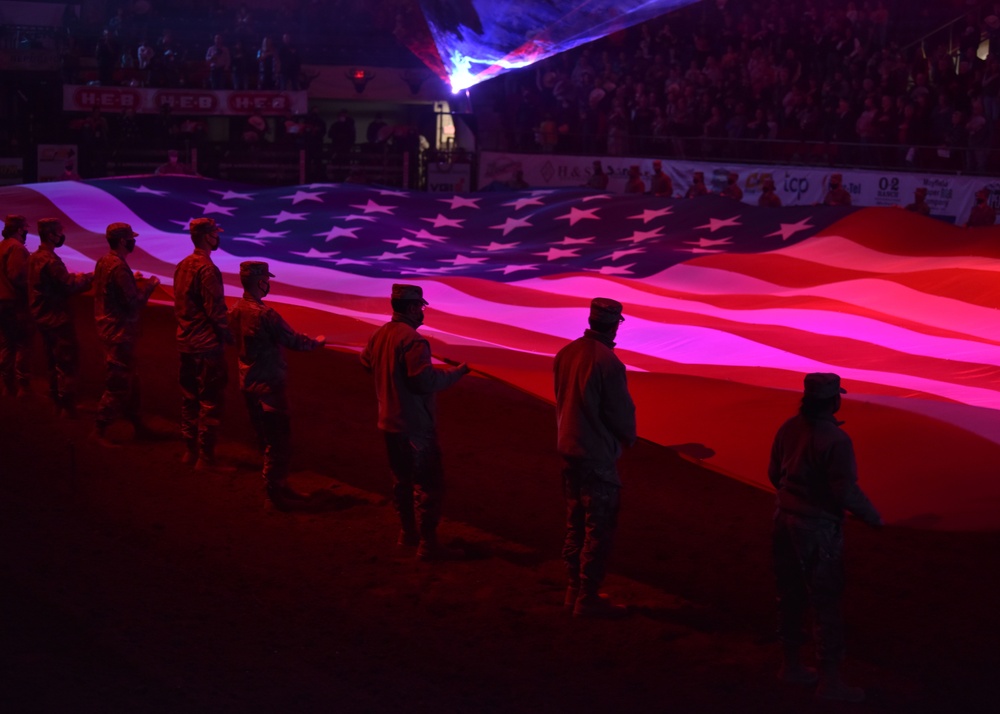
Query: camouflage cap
[768, 181]
[13, 223]
[408, 292]
[983, 193]
[836, 178]
[822, 385]
[699, 175]
[119, 231]
[732, 176]
[921, 191]
[204, 225]
[47, 224]
[657, 162]
[255, 269]
[605, 310]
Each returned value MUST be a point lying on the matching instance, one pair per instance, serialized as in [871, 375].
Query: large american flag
[727, 305]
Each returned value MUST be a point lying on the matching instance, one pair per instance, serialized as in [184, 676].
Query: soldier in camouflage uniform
[595, 417]
[260, 334]
[732, 189]
[982, 214]
[659, 183]
[813, 469]
[837, 195]
[202, 332]
[15, 323]
[405, 383]
[920, 204]
[769, 197]
[698, 187]
[50, 286]
[118, 297]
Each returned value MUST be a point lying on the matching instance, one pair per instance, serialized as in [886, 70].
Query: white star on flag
[464, 260]
[337, 232]
[522, 202]
[622, 253]
[576, 241]
[186, 225]
[313, 253]
[494, 246]
[715, 224]
[390, 192]
[709, 242]
[461, 202]
[355, 217]
[348, 261]
[444, 222]
[150, 191]
[511, 224]
[386, 255]
[576, 215]
[405, 243]
[267, 234]
[557, 253]
[372, 207]
[233, 196]
[508, 269]
[300, 196]
[283, 216]
[614, 269]
[255, 241]
[426, 235]
[648, 215]
[640, 236]
[787, 230]
[598, 197]
[210, 207]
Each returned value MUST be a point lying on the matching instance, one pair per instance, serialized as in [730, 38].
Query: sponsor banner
[35, 60]
[57, 162]
[445, 177]
[83, 98]
[950, 197]
[11, 170]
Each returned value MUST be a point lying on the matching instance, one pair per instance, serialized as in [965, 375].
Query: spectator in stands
[342, 134]
[242, 65]
[518, 183]
[107, 58]
[174, 166]
[598, 179]
[374, 135]
[144, 60]
[218, 60]
[268, 67]
[290, 64]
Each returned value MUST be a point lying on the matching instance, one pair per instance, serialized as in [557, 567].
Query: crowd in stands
[226, 45]
[716, 78]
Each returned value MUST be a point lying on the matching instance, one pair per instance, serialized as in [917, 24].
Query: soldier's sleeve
[285, 336]
[17, 267]
[71, 283]
[774, 465]
[125, 284]
[366, 356]
[843, 473]
[215, 302]
[421, 375]
[617, 408]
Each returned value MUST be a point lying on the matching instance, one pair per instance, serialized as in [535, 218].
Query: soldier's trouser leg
[600, 501]
[575, 525]
[121, 386]
[15, 333]
[203, 378]
[256, 411]
[62, 354]
[278, 453]
[808, 566]
[418, 484]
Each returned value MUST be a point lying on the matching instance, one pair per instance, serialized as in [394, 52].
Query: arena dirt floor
[129, 583]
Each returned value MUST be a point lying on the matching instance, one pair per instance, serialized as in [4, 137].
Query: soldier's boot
[190, 456]
[288, 499]
[142, 432]
[833, 687]
[793, 671]
[431, 549]
[597, 605]
[206, 456]
[408, 538]
[100, 436]
[572, 595]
